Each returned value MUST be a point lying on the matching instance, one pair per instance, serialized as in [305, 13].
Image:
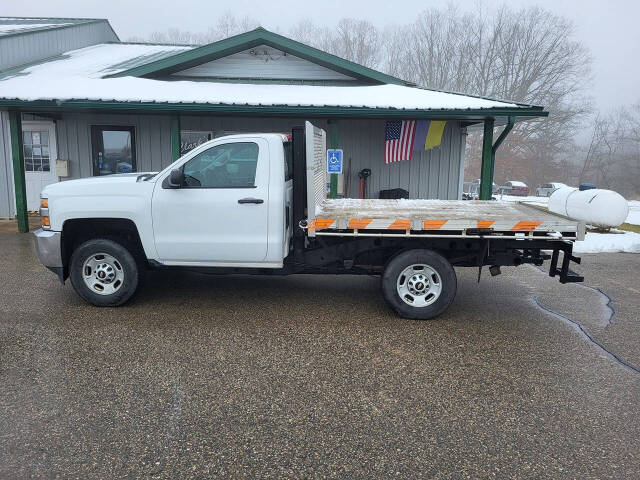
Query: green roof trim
[277, 110]
[251, 39]
[483, 97]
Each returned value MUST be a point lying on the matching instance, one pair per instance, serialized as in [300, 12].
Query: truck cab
[225, 204]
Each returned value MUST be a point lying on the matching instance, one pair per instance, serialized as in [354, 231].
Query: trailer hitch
[564, 272]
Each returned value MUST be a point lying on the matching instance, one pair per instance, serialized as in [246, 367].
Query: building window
[36, 151]
[190, 139]
[114, 149]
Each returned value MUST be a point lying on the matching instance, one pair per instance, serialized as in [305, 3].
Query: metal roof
[12, 26]
[133, 77]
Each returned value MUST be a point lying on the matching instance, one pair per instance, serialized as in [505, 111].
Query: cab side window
[232, 165]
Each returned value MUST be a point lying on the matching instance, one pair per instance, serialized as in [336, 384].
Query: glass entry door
[114, 149]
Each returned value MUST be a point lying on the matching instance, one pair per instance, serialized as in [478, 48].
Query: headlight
[44, 213]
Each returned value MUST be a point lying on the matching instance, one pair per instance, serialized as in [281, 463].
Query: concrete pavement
[313, 376]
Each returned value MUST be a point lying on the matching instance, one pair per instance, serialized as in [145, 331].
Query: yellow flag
[434, 135]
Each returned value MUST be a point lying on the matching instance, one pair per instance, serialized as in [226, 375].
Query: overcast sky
[609, 28]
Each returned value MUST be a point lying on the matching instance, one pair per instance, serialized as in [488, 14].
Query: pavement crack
[587, 335]
[609, 304]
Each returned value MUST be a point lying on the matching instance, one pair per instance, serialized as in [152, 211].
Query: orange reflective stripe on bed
[527, 226]
[485, 223]
[433, 224]
[356, 223]
[400, 225]
[321, 223]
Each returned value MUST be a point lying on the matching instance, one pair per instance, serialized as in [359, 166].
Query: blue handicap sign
[334, 161]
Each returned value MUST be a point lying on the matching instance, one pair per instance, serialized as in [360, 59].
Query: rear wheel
[103, 272]
[419, 284]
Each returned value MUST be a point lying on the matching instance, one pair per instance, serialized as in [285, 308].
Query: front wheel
[419, 284]
[104, 273]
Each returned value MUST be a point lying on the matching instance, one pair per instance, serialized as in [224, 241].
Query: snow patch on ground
[634, 212]
[617, 241]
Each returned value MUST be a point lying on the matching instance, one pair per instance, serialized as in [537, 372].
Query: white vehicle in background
[546, 189]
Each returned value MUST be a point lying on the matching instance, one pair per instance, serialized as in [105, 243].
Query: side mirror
[174, 180]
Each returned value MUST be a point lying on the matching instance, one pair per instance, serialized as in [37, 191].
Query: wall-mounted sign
[334, 161]
[190, 139]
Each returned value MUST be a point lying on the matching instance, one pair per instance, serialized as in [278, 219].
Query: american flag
[398, 140]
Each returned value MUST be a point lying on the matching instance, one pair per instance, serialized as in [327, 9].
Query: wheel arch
[78, 230]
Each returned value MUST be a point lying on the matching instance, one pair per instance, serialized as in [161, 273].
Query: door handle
[251, 200]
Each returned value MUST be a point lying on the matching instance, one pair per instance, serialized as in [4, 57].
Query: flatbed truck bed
[440, 218]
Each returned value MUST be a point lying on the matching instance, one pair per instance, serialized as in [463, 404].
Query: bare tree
[526, 56]
[613, 157]
[358, 41]
[307, 32]
[226, 26]
[355, 40]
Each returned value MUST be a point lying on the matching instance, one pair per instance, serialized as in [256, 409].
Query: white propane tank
[600, 208]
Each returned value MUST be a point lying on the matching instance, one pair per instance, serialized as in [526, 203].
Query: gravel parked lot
[313, 376]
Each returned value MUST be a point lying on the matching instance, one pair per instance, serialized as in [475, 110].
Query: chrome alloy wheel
[419, 285]
[103, 273]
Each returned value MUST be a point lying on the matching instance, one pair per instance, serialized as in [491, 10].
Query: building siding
[7, 197]
[33, 46]
[274, 65]
[430, 174]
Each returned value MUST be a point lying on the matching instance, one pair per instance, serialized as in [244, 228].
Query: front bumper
[48, 246]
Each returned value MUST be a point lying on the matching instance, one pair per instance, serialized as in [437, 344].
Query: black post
[299, 188]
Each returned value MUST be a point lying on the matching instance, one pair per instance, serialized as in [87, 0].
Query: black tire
[125, 261]
[396, 266]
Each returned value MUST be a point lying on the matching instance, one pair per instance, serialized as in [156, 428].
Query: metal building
[88, 104]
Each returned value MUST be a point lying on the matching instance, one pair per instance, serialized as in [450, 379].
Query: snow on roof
[8, 28]
[78, 75]
[515, 183]
[13, 25]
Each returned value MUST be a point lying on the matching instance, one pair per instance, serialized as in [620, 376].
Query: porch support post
[508, 127]
[175, 137]
[17, 155]
[486, 171]
[334, 141]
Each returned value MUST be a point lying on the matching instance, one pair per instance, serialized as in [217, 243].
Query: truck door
[219, 214]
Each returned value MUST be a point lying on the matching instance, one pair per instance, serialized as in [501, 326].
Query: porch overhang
[471, 116]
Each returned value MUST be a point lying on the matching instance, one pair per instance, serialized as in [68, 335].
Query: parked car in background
[546, 189]
[519, 189]
[494, 186]
[470, 191]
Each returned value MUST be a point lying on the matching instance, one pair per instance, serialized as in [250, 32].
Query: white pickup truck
[256, 203]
